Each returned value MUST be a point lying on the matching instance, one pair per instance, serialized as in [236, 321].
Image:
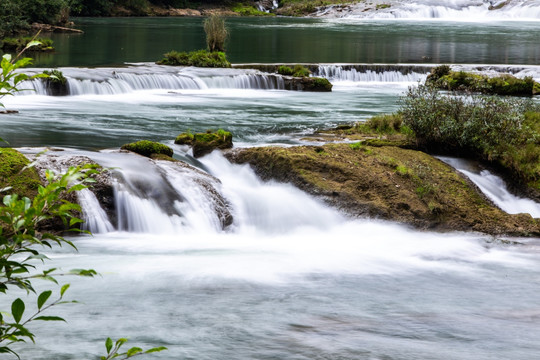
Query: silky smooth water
[290, 278]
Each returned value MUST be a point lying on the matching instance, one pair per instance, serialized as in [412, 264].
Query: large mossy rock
[205, 143]
[315, 84]
[23, 183]
[386, 182]
[444, 78]
[148, 148]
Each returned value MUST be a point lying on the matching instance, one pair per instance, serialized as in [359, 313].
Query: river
[290, 278]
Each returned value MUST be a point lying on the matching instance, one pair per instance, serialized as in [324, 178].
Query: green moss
[147, 148]
[285, 70]
[23, 183]
[249, 10]
[317, 84]
[504, 84]
[383, 6]
[204, 143]
[199, 58]
[184, 139]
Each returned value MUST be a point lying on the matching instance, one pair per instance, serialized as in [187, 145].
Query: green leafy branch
[113, 351]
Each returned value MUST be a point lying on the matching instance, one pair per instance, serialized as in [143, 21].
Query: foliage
[20, 234]
[55, 76]
[113, 351]
[10, 79]
[18, 44]
[443, 78]
[148, 148]
[316, 84]
[199, 58]
[11, 18]
[382, 124]
[249, 10]
[298, 71]
[216, 33]
[502, 130]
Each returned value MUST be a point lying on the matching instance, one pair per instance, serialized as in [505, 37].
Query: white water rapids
[290, 278]
[448, 10]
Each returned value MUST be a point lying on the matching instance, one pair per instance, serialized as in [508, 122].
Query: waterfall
[495, 188]
[461, 10]
[373, 73]
[110, 81]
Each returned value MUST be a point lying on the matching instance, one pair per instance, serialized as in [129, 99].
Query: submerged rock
[386, 182]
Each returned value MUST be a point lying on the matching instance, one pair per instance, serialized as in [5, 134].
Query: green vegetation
[216, 33]
[199, 58]
[381, 124]
[383, 6]
[247, 9]
[305, 7]
[298, 71]
[14, 173]
[18, 44]
[444, 78]
[55, 76]
[17, 15]
[9, 78]
[148, 148]
[504, 131]
[205, 143]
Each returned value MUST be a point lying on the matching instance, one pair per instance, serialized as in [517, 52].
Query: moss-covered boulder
[205, 143]
[444, 78]
[56, 83]
[23, 183]
[386, 182]
[148, 148]
[308, 84]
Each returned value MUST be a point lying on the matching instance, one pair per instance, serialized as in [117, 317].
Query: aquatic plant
[216, 33]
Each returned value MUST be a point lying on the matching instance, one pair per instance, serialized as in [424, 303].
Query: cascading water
[110, 81]
[373, 73]
[495, 188]
[288, 278]
[460, 10]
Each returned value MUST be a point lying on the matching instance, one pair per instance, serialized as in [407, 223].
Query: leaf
[49, 318]
[32, 43]
[156, 349]
[42, 298]
[63, 289]
[133, 351]
[108, 345]
[17, 309]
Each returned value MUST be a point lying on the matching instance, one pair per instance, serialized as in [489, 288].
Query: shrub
[55, 76]
[385, 123]
[285, 70]
[501, 130]
[199, 58]
[216, 33]
[148, 148]
[301, 71]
